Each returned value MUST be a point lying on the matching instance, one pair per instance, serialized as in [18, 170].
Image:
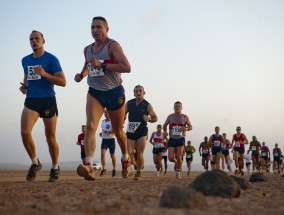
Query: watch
[104, 65]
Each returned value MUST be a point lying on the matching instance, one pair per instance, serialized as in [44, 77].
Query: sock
[35, 160]
[124, 157]
[56, 166]
[90, 161]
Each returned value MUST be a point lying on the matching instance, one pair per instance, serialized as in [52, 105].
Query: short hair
[34, 31]
[178, 102]
[159, 125]
[83, 126]
[100, 18]
[138, 86]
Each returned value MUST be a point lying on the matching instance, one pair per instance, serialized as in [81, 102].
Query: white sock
[90, 161]
[35, 160]
[124, 157]
[56, 166]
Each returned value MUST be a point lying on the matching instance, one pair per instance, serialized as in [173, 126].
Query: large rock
[257, 177]
[244, 184]
[177, 197]
[216, 183]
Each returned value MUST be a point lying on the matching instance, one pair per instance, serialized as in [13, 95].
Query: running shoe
[113, 173]
[125, 167]
[137, 176]
[178, 175]
[157, 174]
[103, 172]
[86, 171]
[33, 170]
[54, 175]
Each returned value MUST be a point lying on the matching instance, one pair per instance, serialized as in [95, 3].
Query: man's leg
[103, 160]
[141, 143]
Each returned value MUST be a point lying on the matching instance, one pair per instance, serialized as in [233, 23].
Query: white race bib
[276, 154]
[188, 156]
[132, 126]
[217, 143]
[82, 142]
[205, 151]
[177, 130]
[158, 145]
[263, 154]
[31, 74]
[93, 71]
[237, 144]
[253, 148]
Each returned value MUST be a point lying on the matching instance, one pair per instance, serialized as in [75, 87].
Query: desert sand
[107, 195]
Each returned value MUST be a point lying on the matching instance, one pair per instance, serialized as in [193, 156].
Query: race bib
[276, 154]
[237, 144]
[132, 126]
[188, 156]
[263, 154]
[82, 142]
[205, 151]
[31, 74]
[177, 130]
[158, 145]
[217, 143]
[253, 148]
[93, 71]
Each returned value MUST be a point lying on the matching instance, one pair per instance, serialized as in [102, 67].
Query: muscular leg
[103, 158]
[113, 160]
[130, 149]
[28, 120]
[159, 161]
[50, 130]
[141, 143]
[171, 154]
[94, 112]
[178, 156]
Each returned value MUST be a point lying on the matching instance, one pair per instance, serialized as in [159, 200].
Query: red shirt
[80, 142]
[238, 141]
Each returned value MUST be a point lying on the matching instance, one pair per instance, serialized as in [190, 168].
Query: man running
[80, 142]
[265, 158]
[140, 112]
[238, 143]
[215, 140]
[204, 151]
[157, 140]
[178, 125]
[104, 63]
[108, 142]
[189, 151]
[277, 154]
[226, 146]
[42, 71]
[255, 148]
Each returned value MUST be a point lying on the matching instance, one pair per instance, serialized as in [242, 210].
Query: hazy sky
[222, 59]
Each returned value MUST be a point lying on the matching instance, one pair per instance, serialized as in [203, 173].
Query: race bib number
[205, 151]
[132, 126]
[253, 148]
[82, 142]
[177, 130]
[158, 145]
[31, 74]
[276, 154]
[217, 143]
[93, 71]
[188, 156]
[238, 144]
[263, 154]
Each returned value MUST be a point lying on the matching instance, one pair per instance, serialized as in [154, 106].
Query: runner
[189, 151]
[204, 151]
[80, 142]
[255, 148]
[108, 142]
[239, 141]
[178, 125]
[226, 146]
[157, 140]
[248, 161]
[104, 63]
[139, 112]
[277, 154]
[215, 140]
[265, 158]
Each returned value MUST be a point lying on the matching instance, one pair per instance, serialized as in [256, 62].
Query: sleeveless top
[216, 141]
[135, 115]
[158, 140]
[98, 79]
[175, 126]
[238, 140]
[106, 126]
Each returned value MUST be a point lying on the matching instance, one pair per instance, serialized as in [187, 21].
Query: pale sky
[222, 59]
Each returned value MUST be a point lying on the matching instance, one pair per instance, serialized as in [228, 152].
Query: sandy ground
[107, 195]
